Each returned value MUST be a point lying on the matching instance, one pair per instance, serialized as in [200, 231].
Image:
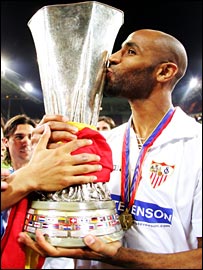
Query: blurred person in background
[105, 123]
[17, 139]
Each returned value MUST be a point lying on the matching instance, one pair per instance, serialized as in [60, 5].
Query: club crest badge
[159, 172]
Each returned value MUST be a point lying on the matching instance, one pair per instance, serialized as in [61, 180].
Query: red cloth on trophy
[99, 147]
[12, 252]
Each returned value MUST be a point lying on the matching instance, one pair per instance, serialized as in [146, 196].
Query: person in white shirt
[157, 177]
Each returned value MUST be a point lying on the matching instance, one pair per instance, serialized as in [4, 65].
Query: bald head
[149, 64]
[163, 48]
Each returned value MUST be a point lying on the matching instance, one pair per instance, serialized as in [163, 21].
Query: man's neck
[17, 165]
[146, 118]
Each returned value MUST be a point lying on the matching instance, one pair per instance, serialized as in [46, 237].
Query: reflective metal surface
[65, 224]
[72, 43]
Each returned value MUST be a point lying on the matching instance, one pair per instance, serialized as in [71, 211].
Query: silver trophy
[73, 42]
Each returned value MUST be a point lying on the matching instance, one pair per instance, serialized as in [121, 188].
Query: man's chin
[26, 156]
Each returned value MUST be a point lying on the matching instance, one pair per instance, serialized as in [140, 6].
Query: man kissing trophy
[73, 42]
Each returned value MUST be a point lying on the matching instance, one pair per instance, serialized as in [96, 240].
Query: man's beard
[137, 84]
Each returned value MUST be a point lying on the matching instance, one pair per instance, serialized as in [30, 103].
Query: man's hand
[61, 167]
[60, 130]
[51, 170]
[95, 248]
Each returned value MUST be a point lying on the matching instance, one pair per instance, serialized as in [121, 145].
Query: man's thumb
[43, 141]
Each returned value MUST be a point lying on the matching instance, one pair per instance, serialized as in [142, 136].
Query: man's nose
[115, 58]
[26, 139]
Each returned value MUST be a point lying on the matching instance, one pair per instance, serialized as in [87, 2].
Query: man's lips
[109, 72]
[25, 150]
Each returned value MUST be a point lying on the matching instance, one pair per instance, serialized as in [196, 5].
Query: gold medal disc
[126, 220]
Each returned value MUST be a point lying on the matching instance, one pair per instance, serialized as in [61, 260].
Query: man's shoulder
[186, 122]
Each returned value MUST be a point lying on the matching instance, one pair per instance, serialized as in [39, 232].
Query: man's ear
[166, 71]
[5, 141]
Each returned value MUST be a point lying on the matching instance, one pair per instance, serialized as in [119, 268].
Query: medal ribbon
[127, 191]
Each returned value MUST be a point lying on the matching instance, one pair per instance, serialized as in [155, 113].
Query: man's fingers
[41, 241]
[60, 129]
[56, 117]
[56, 136]
[75, 144]
[101, 247]
[4, 185]
[43, 141]
[24, 238]
[41, 246]
[94, 243]
[44, 248]
[57, 123]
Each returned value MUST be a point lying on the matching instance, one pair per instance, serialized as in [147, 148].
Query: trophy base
[64, 224]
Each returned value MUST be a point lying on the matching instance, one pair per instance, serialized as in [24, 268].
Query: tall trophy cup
[72, 43]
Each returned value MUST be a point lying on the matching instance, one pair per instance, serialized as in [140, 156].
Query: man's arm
[113, 253]
[131, 258]
[50, 170]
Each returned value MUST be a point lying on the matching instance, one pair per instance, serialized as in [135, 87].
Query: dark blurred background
[183, 19]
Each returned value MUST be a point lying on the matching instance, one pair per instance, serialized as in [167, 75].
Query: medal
[126, 220]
